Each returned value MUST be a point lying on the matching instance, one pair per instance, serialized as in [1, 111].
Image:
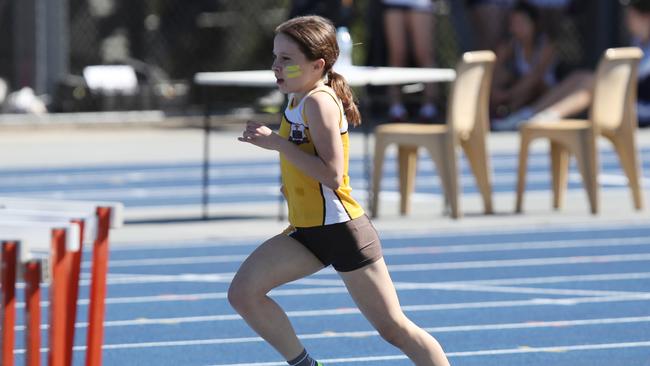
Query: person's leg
[527, 95]
[396, 42]
[421, 25]
[277, 261]
[489, 24]
[372, 289]
[571, 96]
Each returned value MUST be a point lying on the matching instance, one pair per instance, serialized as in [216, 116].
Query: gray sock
[304, 359]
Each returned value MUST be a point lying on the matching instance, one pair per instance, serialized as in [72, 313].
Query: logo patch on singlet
[298, 135]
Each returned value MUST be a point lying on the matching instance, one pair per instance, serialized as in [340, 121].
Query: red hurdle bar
[58, 298]
[73, 291]
[98, 289]
[8, 310]
[33, 312]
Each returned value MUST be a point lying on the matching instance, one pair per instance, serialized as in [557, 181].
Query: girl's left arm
[324, 117]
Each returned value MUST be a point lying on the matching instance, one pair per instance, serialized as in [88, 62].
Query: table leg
[206, 157]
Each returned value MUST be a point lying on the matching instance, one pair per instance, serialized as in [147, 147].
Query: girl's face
[294, 73]
[521, 26]
[638, 24]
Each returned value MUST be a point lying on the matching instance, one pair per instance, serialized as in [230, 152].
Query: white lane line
[611, 179]
[213, 259]
[173, 174]
[431, 235]
[354, 311]
[373, 333]
[509, 281]
[492, 352]
[183, 170]
[215, 278]
[458, 286]
[125, 279]
[394, 252]
[389, 191]
[512, 290]
[405, 251]
[520, 245]
[527, 262]
[166, 192]
[196, 297]
[168, 174]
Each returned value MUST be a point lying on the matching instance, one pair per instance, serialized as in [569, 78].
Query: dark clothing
[332, 10]
[346, 246]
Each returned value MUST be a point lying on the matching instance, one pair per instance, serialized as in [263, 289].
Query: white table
[356, 76]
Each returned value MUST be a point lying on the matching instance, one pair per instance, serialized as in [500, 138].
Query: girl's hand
[260, 135]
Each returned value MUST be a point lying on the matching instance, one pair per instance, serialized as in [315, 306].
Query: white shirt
[414, 4]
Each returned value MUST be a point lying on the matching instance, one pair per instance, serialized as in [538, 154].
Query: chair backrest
[615, 87]
[468, 106]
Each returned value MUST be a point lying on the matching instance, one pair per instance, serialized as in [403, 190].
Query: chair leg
[627, 155]
[587, 161]
[476, 153]
[444, 157]
[522, 169]
[408, 158]
[378, 165]
[560, 173]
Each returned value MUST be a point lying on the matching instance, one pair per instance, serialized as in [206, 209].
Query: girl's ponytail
[342, 89]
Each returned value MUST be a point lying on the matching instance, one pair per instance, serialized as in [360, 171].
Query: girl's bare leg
[277, 261]
[372, 289]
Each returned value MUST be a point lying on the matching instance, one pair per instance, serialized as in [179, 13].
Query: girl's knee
[242, 295]
[394, 331]
[236, 296]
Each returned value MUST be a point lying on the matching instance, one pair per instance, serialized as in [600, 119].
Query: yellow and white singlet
[310, 202]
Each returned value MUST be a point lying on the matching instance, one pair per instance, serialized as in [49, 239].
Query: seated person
[489, 19]
[525, 65]
[573, 95]
[410, 23]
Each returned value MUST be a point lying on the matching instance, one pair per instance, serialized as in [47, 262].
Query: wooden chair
[612, 115]
[467, 125]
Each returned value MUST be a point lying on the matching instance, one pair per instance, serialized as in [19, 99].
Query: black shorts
[346, 246]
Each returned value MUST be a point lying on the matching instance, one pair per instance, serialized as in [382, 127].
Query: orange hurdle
[8, 310]
[32, 276]
[94, 221]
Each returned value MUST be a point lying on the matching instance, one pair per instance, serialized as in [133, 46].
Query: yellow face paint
[293, 71]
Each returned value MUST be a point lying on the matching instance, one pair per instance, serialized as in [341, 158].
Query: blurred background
[48, 44]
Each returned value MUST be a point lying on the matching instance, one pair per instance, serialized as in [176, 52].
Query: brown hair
[316, 37]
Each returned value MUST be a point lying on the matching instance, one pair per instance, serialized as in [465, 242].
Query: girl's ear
[319, 64]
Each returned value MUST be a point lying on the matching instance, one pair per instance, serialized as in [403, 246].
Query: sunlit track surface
[547, 293]
[561, 296]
